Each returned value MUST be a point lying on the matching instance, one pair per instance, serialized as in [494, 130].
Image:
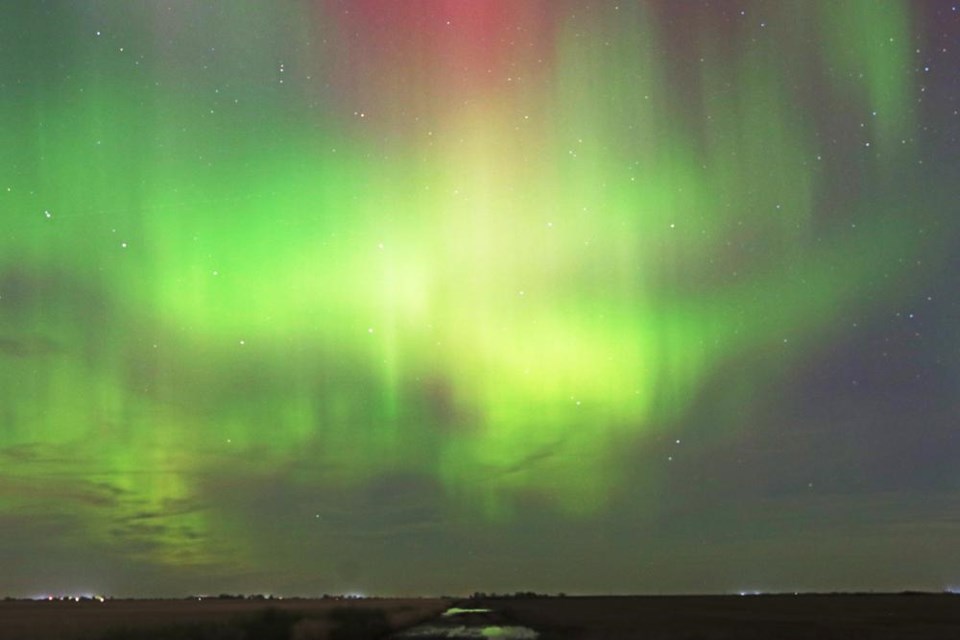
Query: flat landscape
[782, 617]
[224, 619]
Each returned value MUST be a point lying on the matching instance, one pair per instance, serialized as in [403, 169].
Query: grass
[213, 619]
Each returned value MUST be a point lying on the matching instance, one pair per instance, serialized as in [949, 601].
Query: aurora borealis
[423, 296]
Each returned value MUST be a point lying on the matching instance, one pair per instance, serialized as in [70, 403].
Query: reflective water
[460, 622]
[462, 631]
[455, 611]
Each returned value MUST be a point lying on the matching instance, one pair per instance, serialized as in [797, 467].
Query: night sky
[436, 296]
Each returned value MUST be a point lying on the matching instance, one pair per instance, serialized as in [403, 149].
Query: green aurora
[241, 249]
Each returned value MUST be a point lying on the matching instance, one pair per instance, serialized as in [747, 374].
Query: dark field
[822, 617]
[212, 618]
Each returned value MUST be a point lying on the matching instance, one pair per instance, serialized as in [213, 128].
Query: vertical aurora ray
[492, 243]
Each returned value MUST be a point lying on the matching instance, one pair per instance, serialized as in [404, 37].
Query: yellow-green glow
[204, 278]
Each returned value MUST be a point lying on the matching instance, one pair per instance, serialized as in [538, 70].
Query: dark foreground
[214, 619]
[824, 617]
[807, 617]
